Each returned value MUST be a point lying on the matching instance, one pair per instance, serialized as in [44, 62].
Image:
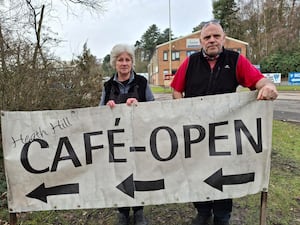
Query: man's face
[212, 39]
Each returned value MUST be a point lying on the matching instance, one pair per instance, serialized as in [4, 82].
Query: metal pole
[13, 219]
[170, 47]
[263, 208]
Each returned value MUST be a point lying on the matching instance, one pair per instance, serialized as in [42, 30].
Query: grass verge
[160, 89]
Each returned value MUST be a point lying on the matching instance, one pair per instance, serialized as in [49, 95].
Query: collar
[132, 74]
[210, 58]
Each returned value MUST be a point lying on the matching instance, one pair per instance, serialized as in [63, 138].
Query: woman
[125, 86]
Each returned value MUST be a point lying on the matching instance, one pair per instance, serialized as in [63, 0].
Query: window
[188, 53]
[167, 75]
[175, 56]
[166, 71]
[165, 56]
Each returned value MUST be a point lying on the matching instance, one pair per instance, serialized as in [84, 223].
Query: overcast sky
[125, 21]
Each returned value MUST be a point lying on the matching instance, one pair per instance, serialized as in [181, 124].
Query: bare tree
[27, 67]
[270, 26]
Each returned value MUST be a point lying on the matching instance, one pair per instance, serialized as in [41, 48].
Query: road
[286, 106]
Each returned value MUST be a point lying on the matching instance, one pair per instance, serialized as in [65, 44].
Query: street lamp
[170, 50]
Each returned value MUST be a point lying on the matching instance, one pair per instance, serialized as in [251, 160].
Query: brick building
[159, 66]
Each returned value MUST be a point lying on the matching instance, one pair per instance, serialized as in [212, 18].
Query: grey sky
[125, 21]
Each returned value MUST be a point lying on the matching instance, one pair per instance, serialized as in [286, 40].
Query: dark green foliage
[227, 12]
[149, 41]
[281, 63]
[106, 67]
[164, 36]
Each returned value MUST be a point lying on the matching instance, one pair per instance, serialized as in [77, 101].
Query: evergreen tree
[149, 41]
[226, 11]
[164, 36]
[86, 62]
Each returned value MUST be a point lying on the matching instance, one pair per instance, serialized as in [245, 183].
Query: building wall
[236, 45]
[159, 67]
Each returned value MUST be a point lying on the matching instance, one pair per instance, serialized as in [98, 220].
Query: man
[216, 70]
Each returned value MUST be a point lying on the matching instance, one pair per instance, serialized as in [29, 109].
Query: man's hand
[266, 90]
[177, 94]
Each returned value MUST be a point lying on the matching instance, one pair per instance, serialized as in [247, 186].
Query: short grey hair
[119, 49]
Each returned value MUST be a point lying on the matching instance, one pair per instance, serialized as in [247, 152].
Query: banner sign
[193, 43]
[172, 151]
[294, 78]
[274, 77]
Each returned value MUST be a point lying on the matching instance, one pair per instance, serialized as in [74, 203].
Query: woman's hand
[131, 101]
[111, 103]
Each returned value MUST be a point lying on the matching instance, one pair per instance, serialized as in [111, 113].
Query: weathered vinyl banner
[174, 151]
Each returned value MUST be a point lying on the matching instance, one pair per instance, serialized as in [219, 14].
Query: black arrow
[217, 180]
[42, 193]
[129, 186]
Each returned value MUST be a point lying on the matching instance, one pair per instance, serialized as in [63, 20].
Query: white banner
[174, 151]
[274, 77]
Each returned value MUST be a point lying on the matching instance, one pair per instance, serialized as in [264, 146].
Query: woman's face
[124, 64]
